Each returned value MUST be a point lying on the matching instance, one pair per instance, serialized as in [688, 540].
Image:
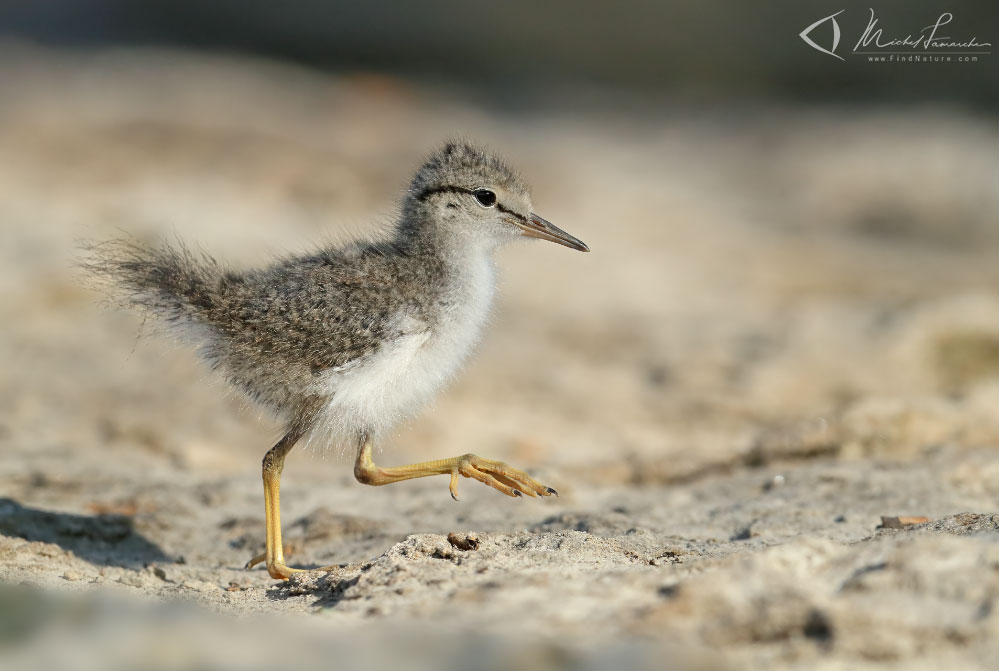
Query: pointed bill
[537, 227]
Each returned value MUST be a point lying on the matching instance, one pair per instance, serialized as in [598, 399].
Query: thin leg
[273, 465]
[496, 474]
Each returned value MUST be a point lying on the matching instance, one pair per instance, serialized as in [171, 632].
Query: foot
[498, 475]
[281, 571]
[276, 569]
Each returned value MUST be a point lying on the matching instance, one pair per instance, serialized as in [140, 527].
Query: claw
[495, 474]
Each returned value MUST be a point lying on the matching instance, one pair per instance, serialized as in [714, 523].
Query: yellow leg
[272, 467]
[496, 474]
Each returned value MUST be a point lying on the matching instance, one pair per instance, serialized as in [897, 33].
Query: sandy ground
[788, 328]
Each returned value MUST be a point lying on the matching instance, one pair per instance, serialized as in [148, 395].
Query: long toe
[510, 479]
[469, 470]
[519, 486]
[259, 559]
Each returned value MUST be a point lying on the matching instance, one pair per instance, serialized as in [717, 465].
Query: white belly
[373, 393]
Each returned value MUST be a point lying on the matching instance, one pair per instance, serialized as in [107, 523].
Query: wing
[316, 313]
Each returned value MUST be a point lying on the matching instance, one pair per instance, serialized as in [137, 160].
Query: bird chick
[344, 342]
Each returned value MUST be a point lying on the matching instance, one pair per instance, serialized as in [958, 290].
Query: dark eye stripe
[426, 193]
[511, 213]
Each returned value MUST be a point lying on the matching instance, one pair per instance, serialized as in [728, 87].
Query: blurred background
[716, 50]
[788, 327]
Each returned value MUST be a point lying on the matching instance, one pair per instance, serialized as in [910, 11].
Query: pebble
[132, 579]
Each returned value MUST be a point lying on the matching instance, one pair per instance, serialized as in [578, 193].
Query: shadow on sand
[105, 540]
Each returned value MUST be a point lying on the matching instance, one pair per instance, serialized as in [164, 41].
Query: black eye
[485, 197]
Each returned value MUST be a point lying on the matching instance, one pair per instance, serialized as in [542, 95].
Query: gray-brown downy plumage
[344, 342]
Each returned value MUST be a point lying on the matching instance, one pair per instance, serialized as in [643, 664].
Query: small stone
[902, 522]
[774, 483]
[466, 542]
[132, 580]
[71, 575]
